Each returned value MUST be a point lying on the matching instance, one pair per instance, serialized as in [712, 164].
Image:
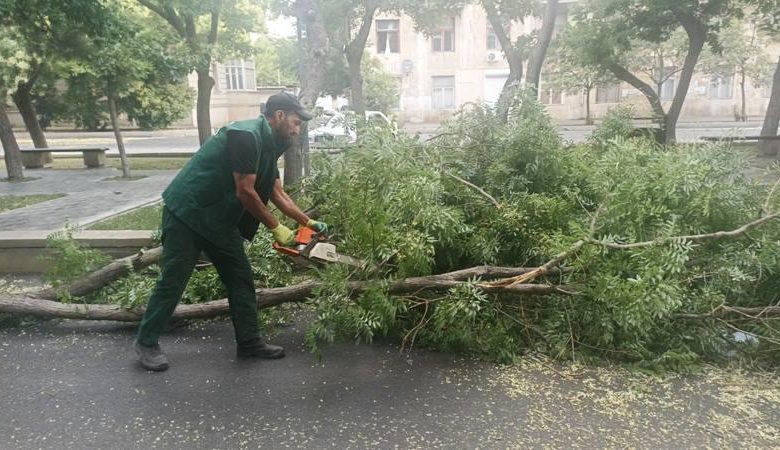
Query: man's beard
[281, 142]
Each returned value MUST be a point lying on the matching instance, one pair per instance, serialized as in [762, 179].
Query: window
[609, 93]
[667, 90]
[388, 36]
[549, 96]
[443, 92]
[240, 75]
[444, 38]
[722, 87]
[492, 40]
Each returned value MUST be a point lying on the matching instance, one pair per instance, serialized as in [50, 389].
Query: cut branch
[696, 237]
[751, 313]
[558, 259]
[102, 277]
[478, 189]
[266, 298]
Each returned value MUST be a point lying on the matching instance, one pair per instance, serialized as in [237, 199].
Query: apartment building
[462, 62]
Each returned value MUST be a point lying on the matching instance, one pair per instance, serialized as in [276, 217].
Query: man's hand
[319, 227]
[283, 235]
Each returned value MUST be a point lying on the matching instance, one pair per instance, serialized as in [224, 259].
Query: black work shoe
[152, 358]
[260, 350]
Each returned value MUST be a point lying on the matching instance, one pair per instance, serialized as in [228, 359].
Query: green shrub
[397, 203]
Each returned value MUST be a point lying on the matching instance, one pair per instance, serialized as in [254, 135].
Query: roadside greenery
[615, 210]
[9, 202]
[146, 218]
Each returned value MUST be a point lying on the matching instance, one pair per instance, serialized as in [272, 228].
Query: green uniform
[202, 213]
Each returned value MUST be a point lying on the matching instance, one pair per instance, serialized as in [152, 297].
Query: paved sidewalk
[90, 196]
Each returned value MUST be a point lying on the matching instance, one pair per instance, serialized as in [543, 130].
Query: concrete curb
[26, 251]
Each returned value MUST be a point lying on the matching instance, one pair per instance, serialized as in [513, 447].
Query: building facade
[462, 62]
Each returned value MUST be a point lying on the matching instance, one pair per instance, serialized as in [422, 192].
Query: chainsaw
[311, 248]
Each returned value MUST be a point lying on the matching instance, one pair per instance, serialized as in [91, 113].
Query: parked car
[340, 128]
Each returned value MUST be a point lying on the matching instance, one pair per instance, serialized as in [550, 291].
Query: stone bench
[35, 158]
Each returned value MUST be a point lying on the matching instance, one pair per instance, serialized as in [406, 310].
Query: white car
[340, 128]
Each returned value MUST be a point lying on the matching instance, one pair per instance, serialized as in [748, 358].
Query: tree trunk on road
[13, 158]
[203, 108]
[772, 118]
[36, 305]
[105, 275]
[118, 133]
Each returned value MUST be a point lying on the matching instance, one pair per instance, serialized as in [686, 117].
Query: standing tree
[542, 43]
[564, 74]
[354, 32]
[743, 49]
[276, 62]
[15, 63]
[609, 30]
[501, 14]
[200, 24]
[767, 14]
[659, 62]
[48, 31]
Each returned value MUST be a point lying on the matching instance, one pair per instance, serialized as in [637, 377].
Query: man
[219, 196]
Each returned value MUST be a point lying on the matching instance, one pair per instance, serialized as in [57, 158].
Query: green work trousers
[181, 248]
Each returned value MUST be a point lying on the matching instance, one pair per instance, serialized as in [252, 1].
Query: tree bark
[13, 158]
[772, 118]
[588, 117]
[186, 27]
[105, 275]
[358, 99]
[354, 54]
[621, 73]
[697, 34]
[309, 18]
[743, 109]
[536, 61]
[23, 101]
[112, 111]
[514, 56]
[37, 306]
[203, 106]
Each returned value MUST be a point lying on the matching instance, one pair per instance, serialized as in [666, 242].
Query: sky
[282, 26]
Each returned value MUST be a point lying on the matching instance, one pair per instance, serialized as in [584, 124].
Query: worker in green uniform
[218, 199]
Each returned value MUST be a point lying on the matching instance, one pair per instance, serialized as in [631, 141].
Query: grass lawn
[8, 202]
[135, 163]
[146, 218]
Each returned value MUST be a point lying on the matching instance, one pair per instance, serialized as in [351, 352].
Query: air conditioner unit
[493, 57]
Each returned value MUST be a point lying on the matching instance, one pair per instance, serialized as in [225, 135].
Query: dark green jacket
[203, 194]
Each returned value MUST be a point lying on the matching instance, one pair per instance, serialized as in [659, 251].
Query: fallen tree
[618, 247]
[109, 273]
[37, 304]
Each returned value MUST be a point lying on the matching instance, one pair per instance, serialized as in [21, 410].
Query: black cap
[284, 101]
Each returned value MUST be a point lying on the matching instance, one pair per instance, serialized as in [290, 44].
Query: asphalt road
[186, 140]
[71, 384]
